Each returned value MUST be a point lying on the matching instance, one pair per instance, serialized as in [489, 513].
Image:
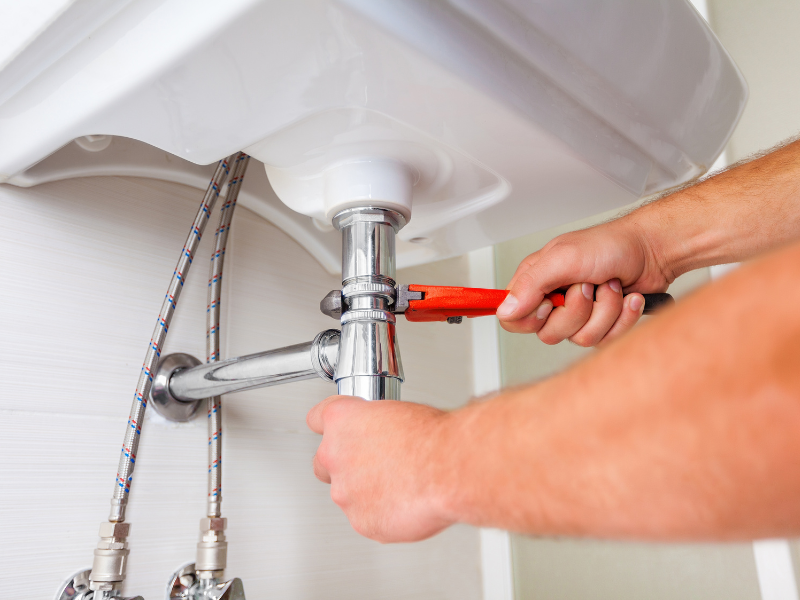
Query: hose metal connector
[110, 557]
[212, 549]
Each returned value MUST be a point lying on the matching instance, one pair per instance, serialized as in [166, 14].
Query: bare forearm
[687, 428]
[750, 208]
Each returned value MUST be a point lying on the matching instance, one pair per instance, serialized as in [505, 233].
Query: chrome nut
[213, 524]
[114, 530]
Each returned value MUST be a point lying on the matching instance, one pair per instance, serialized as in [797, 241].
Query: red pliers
[452, 304]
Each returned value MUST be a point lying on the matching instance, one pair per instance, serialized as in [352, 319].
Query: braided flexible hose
[130, 446]
[214, 506]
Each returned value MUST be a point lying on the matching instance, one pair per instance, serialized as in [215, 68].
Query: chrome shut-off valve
[104, 580]
[202, 579]
[78, 587]
[186, 585]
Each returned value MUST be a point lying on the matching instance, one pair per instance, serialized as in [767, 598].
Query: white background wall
[85, 268]
[761, 36]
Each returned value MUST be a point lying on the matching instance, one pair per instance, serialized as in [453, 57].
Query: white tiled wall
[84, 270]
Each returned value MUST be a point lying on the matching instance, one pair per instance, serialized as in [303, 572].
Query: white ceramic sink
[481, 119]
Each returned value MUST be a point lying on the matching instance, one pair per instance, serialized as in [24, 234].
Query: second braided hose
[214, 503]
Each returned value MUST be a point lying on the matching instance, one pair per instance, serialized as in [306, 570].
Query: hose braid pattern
[133, 430]
[214, 503]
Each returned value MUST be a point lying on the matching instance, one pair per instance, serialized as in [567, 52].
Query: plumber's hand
[615, 256]
[381, 459]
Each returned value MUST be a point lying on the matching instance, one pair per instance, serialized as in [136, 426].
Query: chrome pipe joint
[369, 363]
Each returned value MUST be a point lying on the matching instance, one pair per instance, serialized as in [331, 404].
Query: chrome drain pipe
[180, 383]
[369, 358]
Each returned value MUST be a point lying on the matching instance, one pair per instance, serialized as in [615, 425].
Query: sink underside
[511, 116]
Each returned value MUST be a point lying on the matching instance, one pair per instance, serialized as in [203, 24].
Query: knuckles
[513, 327]
[583, 340]
[549, 338]
[341, 408]
[311, 420]
[321, 458]
[320, 472]
[334, 412]
[566, 253]
[340, 496]
[368, 530]
[326, 461]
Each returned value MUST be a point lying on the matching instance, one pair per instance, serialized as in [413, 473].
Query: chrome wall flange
[167, 405]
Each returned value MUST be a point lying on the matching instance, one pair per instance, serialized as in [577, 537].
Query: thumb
[524, 297]
[559, 265]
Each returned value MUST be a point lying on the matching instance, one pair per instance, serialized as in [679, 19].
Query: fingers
[316, 422]
[536, 276]
[527, 263]
[315, 419]
[565, 321]
[632, 308]
[377, 458]
[533, 322]
[522, 289]
[584, 320]
[599, 254]
[320, 472]
[525, 309]
[605, 311]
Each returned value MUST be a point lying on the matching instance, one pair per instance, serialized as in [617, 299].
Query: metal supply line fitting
[110, 557]
[212, 549]
[201, 580]
[369, 358]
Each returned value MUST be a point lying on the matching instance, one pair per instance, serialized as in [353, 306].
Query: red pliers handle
[440, 303]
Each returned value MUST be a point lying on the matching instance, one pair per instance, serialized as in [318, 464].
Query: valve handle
[442, 302]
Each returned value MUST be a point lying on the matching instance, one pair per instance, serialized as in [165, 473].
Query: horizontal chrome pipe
[178, 382]
[302, 361]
